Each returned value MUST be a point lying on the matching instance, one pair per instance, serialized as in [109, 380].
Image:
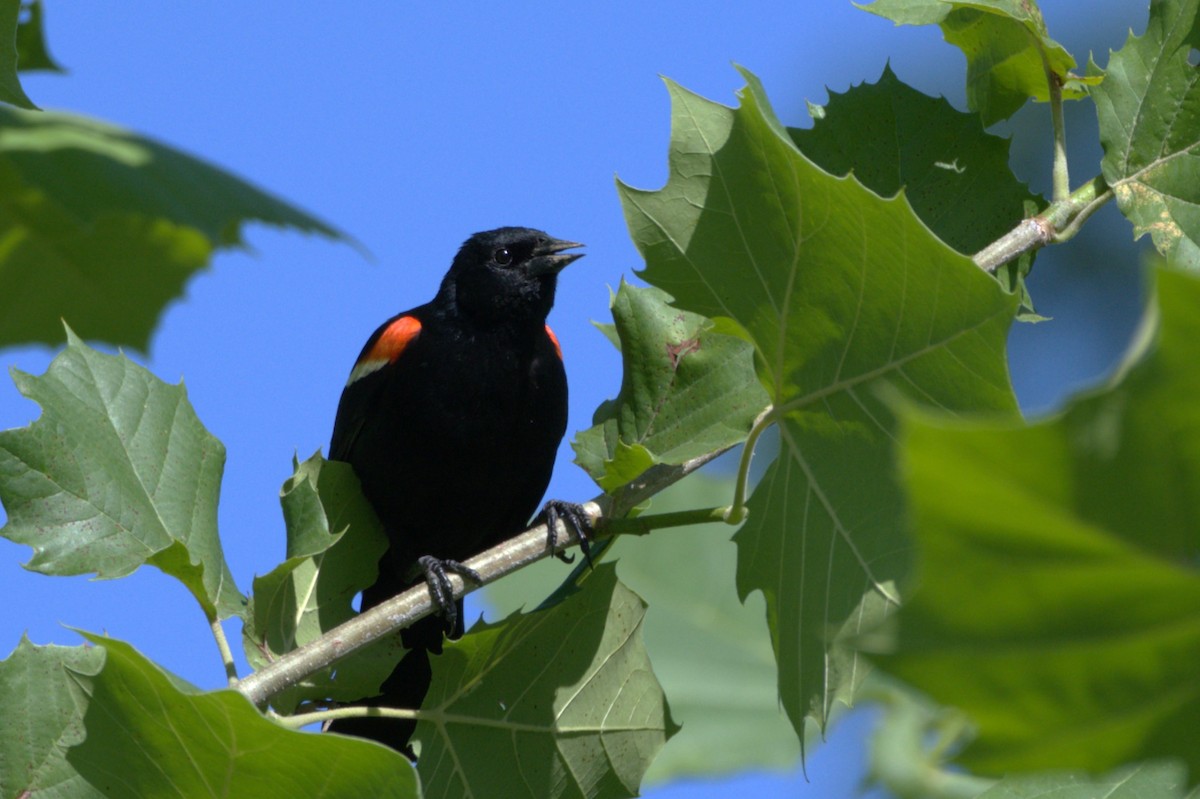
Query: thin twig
[414, 604]
[1030, 234]
[1057, 223]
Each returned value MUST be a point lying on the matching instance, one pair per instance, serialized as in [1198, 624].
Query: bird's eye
[502, 256]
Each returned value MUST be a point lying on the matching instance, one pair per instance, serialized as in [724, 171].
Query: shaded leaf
[686, 391]
[42, 702]
[31, 41]
[104, 227]
[1059, 597]
[334, 543]
[557, 702]
[1149, 110]
[147, 736]
[708, 649]
[118, 471]
[844, 296]
[955, 176]
[1007, 47]
[10, 84]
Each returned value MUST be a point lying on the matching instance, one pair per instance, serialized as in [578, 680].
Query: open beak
[547, 259]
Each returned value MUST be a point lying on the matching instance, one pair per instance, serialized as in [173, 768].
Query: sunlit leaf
[846, 297]
[709, 653]
[334, 542]
[148, 734]
[1149, 110]
[117, 472]
[686, 391]
[1008, 49]
[560, 701]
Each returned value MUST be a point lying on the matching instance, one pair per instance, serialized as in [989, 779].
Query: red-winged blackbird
[451, 419]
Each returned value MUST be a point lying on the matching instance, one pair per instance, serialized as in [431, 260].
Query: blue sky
[412, 125]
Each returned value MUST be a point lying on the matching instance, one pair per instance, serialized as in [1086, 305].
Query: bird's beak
[547, 260]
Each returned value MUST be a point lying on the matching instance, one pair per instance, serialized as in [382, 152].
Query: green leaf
[907, 750]
[893, 137]
[117, 472]
[104, 227]
[686, 391]
[1007, 47]
[1059, 603]
[708, 649]
[1149, 110]
[148, 736]
[42, 702]
[557, 702]
[10, 84]
[31, 41]
[1143, 781]
[955, 176]
[334, 542]
[845, 296]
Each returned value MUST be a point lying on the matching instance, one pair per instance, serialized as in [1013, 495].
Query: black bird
[451, 419]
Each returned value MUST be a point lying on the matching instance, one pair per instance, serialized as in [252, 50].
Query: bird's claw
[440, 589]
[573, 515]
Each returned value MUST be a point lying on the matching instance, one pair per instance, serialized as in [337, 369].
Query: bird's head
[508, 275]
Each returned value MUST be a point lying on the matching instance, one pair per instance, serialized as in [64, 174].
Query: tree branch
[1059, 222]
[403, 610]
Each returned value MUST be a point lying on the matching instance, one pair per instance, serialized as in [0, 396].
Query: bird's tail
[406, 686]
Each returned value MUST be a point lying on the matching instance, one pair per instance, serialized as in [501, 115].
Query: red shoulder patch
[554, 341]
[394, 339]
[387, 348]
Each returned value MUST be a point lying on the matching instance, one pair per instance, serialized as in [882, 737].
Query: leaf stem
[1061, 175]
[640, 525]
[1086, 200]
[226, 653]
[737, 511]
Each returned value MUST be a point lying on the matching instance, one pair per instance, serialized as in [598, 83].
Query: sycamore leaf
[104, 227]
[893, 137]
[708, 649]
[955, 176]
[1007, 47]
[149, 734]
[117, 472]
[845, 296]
[334, 542]
[1060, 588]
[42, 702]
[10, 84]
[560, 701]
[1149, 110]
[31, 40]
[686, 391]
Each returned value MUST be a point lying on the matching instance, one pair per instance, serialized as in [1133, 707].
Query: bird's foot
[574, 516]
[439, 584]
